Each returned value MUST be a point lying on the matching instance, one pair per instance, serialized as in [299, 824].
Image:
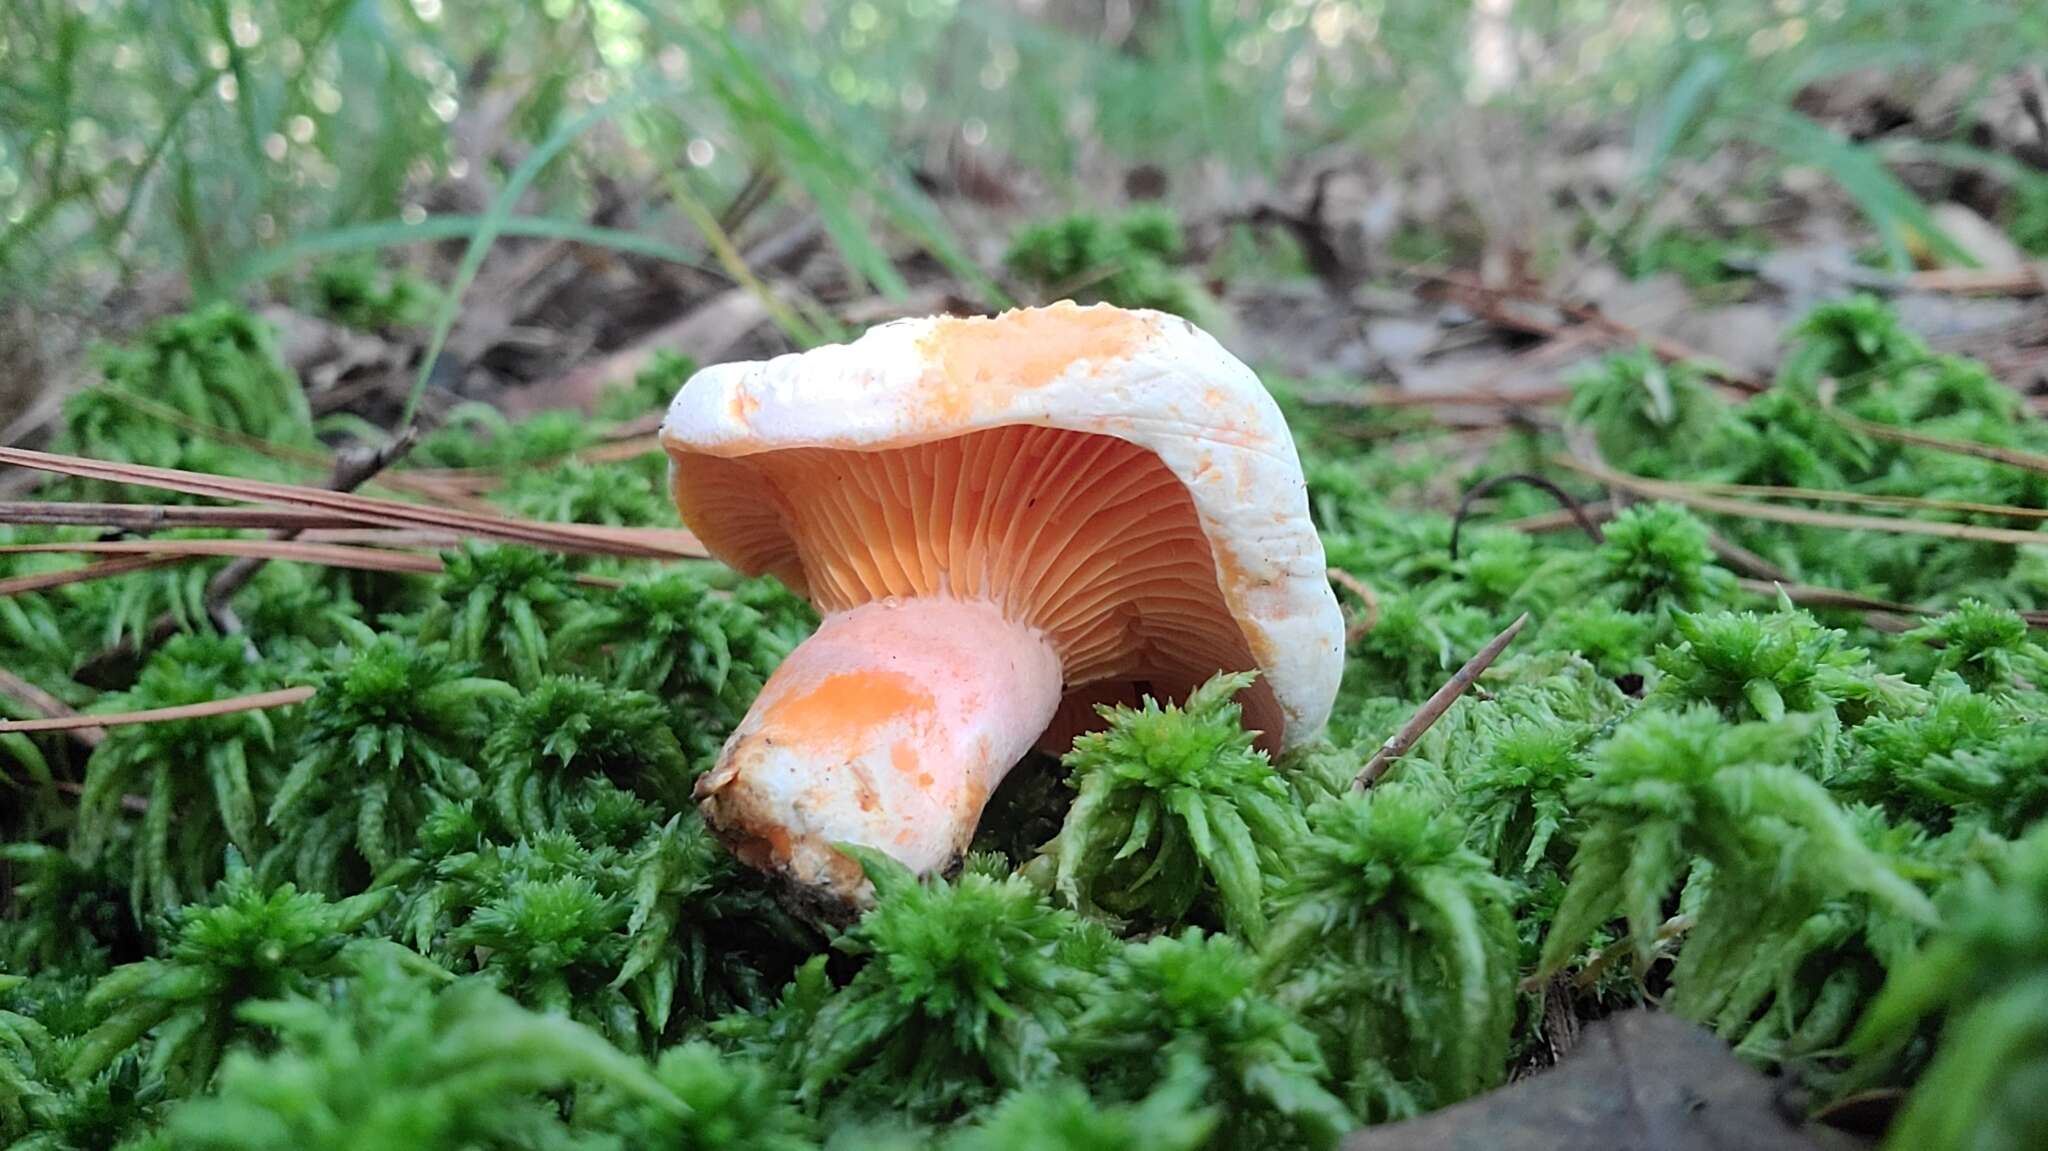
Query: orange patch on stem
[903, 757]
[979, 356]
[844, 706]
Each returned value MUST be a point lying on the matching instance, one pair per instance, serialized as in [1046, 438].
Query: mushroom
[1003, 522]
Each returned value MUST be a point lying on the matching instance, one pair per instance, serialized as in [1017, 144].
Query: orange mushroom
[1002, 521]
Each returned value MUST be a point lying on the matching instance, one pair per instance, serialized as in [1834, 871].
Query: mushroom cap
[1151, 380]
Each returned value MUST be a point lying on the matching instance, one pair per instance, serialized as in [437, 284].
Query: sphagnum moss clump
[462, 898]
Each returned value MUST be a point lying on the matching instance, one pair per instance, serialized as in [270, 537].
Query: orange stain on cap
[977, 358]
[742, 404]
[844, 707]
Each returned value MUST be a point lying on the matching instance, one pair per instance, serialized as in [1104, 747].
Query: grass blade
[487, 232]
[384, 234]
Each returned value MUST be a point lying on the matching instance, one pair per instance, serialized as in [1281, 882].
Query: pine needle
[1829, 495]
[260, 701]
[160, 553]
[325, 554]
[1691, 496]
[444, 481]
[44, 581]
[582, 539]
[2012, 457]
[49, 705]
[167, 517]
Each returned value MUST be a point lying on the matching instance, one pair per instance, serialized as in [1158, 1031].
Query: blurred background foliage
[224, 141]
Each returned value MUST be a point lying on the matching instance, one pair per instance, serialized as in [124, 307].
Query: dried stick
[1590, 974]
[1606, 957]
[1433, 709]
[1599, 511]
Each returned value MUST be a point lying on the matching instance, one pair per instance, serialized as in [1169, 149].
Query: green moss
[357, 291]
[1127, 260]
[1176, 816]
[481, 911]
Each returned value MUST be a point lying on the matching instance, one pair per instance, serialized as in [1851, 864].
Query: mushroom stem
[888, 728]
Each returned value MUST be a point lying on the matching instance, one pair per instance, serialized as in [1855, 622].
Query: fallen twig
[1399, 397]
[258, 702]
[1743, 561]
[1590, 974]
[1881, 614]
[1433, 708]
[1599, 511]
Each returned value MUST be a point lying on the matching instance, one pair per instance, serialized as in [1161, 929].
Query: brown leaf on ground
[1639, 1080]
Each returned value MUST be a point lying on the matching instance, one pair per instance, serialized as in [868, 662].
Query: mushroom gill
[1088, 539]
